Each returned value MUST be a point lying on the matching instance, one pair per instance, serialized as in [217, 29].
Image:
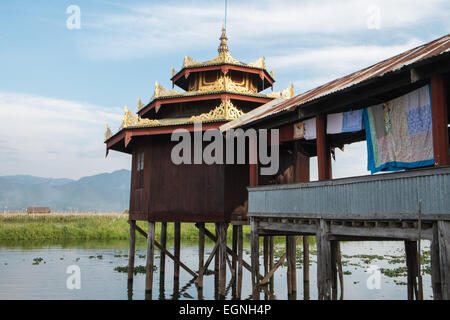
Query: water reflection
[20, 278]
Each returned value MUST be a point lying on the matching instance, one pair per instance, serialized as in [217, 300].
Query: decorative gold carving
[160, 91]
[286, 93]
[260, 63]
[173, 71]
[108, 133]
[225, 111]
[131, 120]
[189, 62]
[272, 74]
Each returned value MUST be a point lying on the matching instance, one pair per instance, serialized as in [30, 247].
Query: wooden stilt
[289, 269]
[132, 252]
[255, 259]
[435, 265]
[162, 256]
[271, 265]
[293, 265]
[306, 268]
[201, 255]
[412, 270]
[291, 260]
[229, 250]
[171, 256]
[234, 247]
[216, 258]
[176, 250]
[222, 238]
[150, 255]
[334, 278]
[324, 270]
[443, 230]
[266, 254]
[339, 267]
[240, 249]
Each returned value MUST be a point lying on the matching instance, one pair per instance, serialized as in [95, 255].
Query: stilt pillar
[324, 269]
[176, 240]
[132, 252]
[255, 259]
[150, 256]
[440, 260]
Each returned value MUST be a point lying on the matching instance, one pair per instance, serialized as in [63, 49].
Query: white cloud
[145, 30]
[55, 137]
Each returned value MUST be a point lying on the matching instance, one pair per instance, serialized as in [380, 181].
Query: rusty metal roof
[423, 52]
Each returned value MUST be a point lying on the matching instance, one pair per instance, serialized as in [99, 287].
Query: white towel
[334, 123]
[310, 128]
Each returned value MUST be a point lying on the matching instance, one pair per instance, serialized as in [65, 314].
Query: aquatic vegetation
[37, 261]
[136, 270]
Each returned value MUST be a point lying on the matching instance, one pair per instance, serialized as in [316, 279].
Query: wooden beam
[171, 256]
[208, 261]
[380, 232]
[440, 121]
[229, 251]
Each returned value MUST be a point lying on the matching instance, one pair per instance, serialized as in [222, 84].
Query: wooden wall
[184, 193]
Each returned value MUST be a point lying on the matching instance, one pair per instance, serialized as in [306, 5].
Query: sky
[59, 85]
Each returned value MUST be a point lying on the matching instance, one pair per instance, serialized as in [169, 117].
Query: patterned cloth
[399, 132]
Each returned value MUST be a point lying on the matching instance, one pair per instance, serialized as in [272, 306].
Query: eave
[121, 141]
[217, 95]
[177, 79]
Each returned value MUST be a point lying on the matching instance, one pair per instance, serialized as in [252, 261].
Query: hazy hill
[101, 192]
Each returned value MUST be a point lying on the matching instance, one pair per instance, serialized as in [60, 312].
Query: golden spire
[223, 47]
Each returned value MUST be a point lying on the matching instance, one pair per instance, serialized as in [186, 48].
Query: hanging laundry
[310, 128]
[399, 134]
[334, 123]
[350, 121]
[353, 121]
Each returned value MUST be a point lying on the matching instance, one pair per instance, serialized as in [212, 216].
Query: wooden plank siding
[186, 192]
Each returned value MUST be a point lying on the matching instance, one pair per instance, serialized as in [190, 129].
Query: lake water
[23, 275]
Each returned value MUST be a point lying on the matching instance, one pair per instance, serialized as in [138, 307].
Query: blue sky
[59, 87]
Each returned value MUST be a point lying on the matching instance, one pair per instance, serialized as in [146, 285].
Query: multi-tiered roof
[215, 91]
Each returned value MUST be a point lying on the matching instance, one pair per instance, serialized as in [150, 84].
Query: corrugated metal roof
[426, 51]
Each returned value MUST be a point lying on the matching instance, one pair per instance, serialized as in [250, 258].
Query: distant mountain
[106, 192]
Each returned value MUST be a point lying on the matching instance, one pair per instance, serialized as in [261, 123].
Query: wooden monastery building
[398, 106]
[214, 92]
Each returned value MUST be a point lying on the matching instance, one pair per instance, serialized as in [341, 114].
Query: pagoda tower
[214, 92]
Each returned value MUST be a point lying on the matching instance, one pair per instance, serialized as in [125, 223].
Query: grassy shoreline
[86, 227]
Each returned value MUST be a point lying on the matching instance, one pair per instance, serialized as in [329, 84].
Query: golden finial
[223, 47]
[272, 74]
[173, 71]
[139, 104]
[108, 133]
